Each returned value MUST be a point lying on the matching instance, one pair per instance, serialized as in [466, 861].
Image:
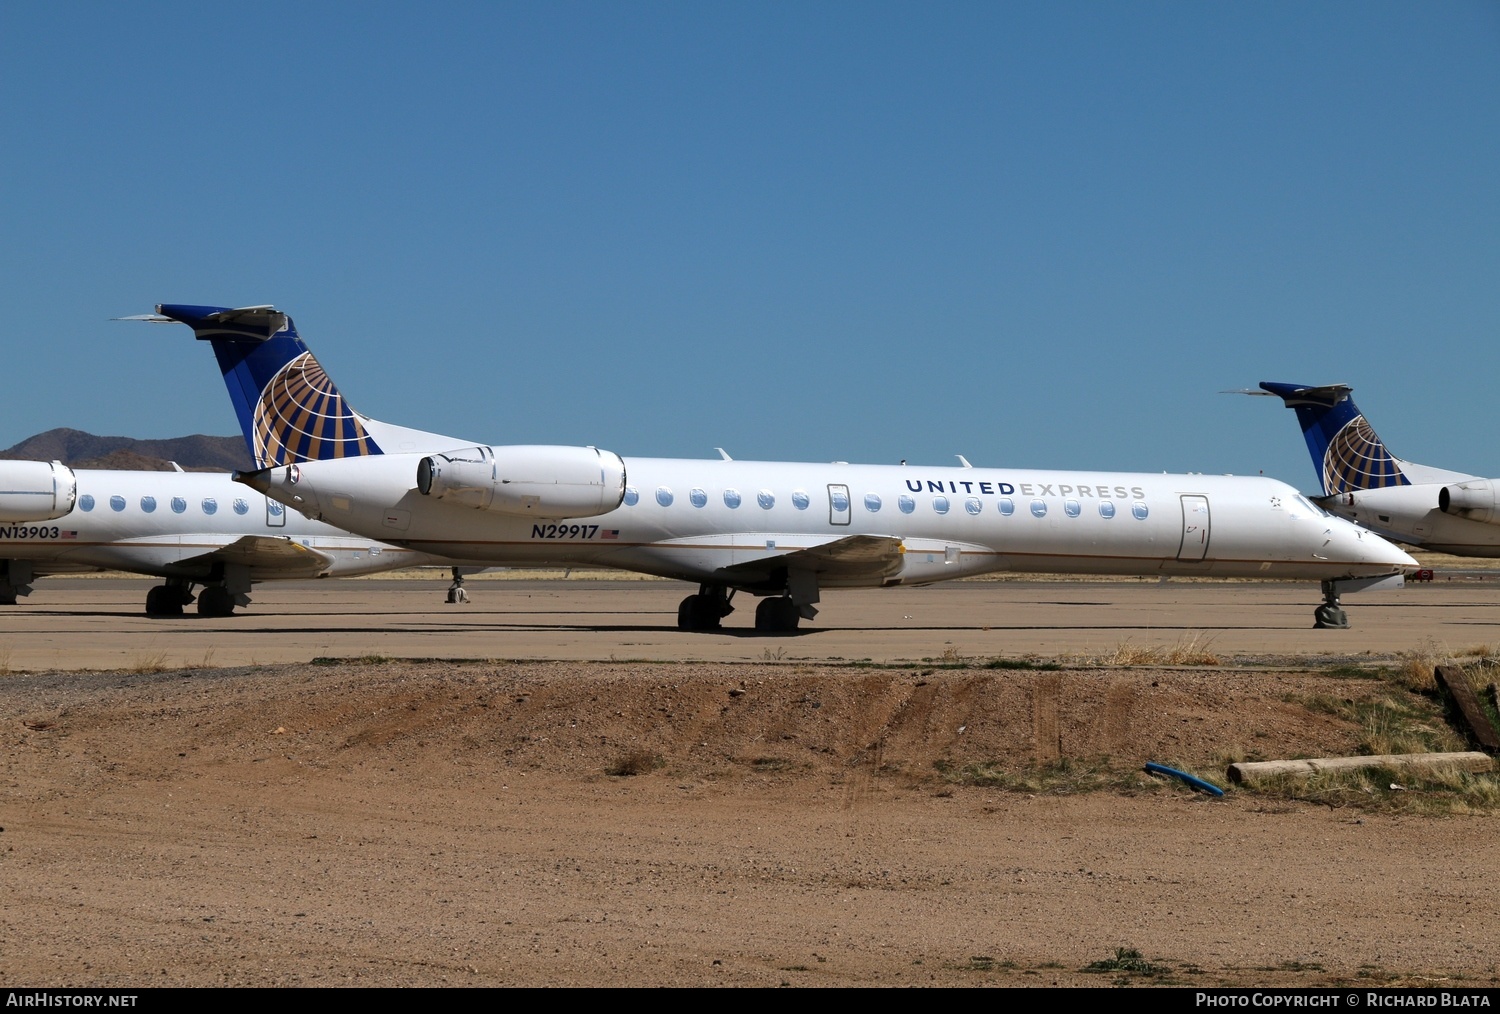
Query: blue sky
[1035, 234]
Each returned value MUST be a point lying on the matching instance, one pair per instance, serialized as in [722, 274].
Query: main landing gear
[1330, 616]
[168, 599]
[777, 615]
[227, 588]
[705, 610]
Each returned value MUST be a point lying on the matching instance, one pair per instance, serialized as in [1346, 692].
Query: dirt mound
[481, 823]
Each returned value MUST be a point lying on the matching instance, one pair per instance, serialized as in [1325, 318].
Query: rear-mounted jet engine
[535, 481]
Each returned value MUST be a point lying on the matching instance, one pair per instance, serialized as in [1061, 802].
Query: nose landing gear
[1330, 616]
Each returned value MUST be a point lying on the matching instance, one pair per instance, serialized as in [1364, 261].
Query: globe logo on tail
[302, 417]
[1356, 459]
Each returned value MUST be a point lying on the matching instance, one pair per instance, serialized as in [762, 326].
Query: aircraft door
[275, 514]
[838, 505]
[1195, 528]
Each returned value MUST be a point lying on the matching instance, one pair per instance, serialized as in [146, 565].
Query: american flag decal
[610, 533]
[70, 535]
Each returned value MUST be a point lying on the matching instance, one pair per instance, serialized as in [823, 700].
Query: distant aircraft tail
[288, 407]
[1346, 452]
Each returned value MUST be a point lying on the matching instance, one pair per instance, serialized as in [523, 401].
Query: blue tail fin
[288, 407]
[1346, 452]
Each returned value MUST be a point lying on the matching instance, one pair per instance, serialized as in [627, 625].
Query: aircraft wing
[266, 556]
[852, 558]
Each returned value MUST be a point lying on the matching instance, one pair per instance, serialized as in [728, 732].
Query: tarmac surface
[99, 623]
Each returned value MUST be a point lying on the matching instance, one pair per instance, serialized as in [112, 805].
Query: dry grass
[1414, 667]
[1190, 649]
[149, 661]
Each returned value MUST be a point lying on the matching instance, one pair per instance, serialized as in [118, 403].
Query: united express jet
[781, 531]
[190, 528]
[1447, 512]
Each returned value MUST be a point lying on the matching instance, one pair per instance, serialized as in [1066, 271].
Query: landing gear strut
[456, 593]
[1330, 616]
[705, 610]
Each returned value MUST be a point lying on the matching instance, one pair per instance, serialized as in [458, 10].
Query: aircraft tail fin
[289, 409]
[1347, 453]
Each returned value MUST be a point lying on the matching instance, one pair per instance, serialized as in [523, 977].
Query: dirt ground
[665, 823]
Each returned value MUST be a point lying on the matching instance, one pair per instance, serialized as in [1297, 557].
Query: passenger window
[241, 507]
[210, 505]
[907, 504]
[1071, 508]
[1007, 507]
[1140, 510]
[940, 504]
[664, 496]
[840, 499]
[872, 502]
[1106, 508]
[86, 502]
[732, 499]
[117, 503]
[1039, 508]
[766, 499]
[148, 504]
[973, 505]
[800, 500]
[631, 496]
[697, 497]
[178, 505]
[275, 508]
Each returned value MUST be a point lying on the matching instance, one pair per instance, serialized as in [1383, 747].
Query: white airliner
[1447, 512]
[191, 528]
[783, 531]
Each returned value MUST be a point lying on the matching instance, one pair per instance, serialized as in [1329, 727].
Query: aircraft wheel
[1327, 617]
[698, 612]
[777, 616]
[163, 601]
[215, 601]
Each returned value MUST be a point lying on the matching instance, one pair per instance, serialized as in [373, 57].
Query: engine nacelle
[533, 481]
[36, 490]
[1475, 499]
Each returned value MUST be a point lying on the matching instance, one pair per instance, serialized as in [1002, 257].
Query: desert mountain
[197, 453]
